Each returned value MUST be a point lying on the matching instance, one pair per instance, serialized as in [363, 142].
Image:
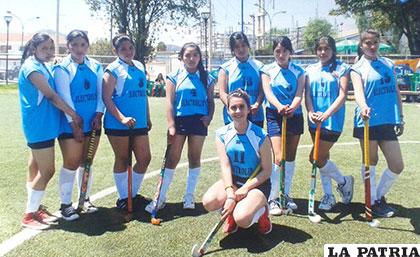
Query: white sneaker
[327, 202]
[346, 189]
[189, 202]
[88, 207]
[290, 204]
[274, 207]
[151, 206]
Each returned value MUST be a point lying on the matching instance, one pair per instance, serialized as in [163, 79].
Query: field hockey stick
[130, 175]
[368, 210]
[198, 251]
[284, 210]
[313, 217]
[86, 170]
[154, 220]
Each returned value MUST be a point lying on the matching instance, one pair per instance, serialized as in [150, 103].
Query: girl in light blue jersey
[325, 94]
[242, 72]
[242, 147]
[283, 84]
[189, 111]
[79, 82]
[379, 100]
[40, 107]
[127, 115]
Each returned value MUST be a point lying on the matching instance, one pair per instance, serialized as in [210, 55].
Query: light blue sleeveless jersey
[380, 88]
[283, 82]
[130, 95]
[40, 118]
[84, 82]
[244, 75]
[324, 90]
[190, 93]
[242, 149]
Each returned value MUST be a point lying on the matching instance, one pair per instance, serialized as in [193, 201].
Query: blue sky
[76, 14]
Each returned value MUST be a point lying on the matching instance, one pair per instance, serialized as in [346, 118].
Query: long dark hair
[284, 42]
[203, 73]
[331, 43]
[118, 40]
[237, 36]
[33, 43]
[363, 36]
[75, 34]
[239, 93]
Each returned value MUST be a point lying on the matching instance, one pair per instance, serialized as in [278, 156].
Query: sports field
[106, 233]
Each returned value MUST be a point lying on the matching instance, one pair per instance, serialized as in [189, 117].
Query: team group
[69, 100]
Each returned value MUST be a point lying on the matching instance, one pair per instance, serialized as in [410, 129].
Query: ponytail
[203, 73]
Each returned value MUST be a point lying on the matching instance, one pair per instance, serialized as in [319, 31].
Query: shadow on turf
[254, 242]
[356, 210]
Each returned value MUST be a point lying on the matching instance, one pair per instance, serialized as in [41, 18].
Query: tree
[315, 29]
[402, 15]
[161, 47]
[141, 19]
[101, 47]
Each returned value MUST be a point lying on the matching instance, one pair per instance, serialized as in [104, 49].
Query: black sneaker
[68, 212]
[382, 209]
[122, 204]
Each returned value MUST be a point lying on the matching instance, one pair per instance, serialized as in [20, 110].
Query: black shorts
[382, 132]
[326, 135]
[42, 144]
[70, 135]
[265, 187]
[274, 119]
[126, 132]
[190, 126]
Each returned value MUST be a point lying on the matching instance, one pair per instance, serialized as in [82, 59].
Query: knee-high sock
[65, 183]
[121, 184]
[34, 200]
[372, 170]
[79, 180]
[275, 182]
[387, 179]
[325, 182]
[290, 170]
[333, 172]
[167, 179]
[192, 180]
[136, 183]
[257, 215]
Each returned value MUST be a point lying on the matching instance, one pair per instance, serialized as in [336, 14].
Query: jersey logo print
[239, 157]
[86, 84]
[193, 92]
[141, 84]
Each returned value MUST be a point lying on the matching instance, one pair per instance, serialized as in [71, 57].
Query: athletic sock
[257, 215]
[275, 182]
[121, 184]
[290, 170]
[167, 179]
[65, 184]
[136, 182]
[332, 171]
[372, 170]
[34, 200]
[192, 180]
[326, 182]
[79, 180]
[387, 179]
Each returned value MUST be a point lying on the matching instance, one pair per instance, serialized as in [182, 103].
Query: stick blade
[195, 251]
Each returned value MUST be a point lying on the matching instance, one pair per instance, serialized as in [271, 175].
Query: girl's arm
[97, 119]
[222, 82]
[297, 100]
[268, 92]
[109, 83]
[170, 98]
[308, 101]
[359, 94]
[210, 105]
[41, 83]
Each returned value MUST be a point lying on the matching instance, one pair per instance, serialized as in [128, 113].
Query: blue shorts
[127, 132]
[42, 144]
[326, 135]
[294, 124]
[382, 132]
[190, 126]
[70, 135]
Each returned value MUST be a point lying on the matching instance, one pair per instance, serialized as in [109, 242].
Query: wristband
[231, 198]
[228, 186]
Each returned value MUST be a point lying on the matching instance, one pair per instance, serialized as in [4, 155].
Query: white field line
[26, 233]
